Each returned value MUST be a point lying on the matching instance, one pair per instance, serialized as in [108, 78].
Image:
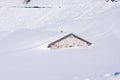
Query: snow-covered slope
[46, 2]
[25, 32]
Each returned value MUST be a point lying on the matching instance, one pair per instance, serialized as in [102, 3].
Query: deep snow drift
[25, 33]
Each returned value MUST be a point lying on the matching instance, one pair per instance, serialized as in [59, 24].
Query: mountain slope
[25, 33]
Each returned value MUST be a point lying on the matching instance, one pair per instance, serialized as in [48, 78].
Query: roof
[89, 43]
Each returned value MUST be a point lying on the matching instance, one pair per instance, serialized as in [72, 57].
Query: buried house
[70, 40]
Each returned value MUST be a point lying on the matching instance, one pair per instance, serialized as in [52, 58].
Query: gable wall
[70, 42]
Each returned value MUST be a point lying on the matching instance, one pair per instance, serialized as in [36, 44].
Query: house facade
[68, 41]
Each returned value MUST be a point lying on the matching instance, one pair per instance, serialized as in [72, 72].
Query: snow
[113, 77]
[25, 33]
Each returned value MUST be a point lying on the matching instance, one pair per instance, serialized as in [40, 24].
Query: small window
[70, 46]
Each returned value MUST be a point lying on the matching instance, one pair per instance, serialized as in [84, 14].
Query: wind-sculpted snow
[13, 18]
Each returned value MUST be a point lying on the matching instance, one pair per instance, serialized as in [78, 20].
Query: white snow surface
[26, 32]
